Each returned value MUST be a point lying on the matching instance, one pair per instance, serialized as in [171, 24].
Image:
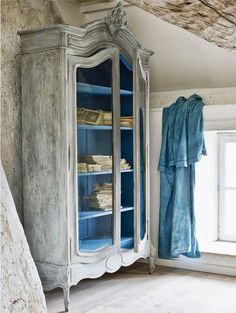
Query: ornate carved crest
[114, 19]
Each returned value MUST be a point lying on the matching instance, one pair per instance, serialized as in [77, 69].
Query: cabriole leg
[66, 291]
[151, 265]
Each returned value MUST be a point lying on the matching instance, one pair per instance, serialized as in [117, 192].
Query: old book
[94, 167]
[101, 197]
[82, 167]
[87, 116]
[106, 118]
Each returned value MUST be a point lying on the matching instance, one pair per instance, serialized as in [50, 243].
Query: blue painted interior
[94, 92]
[103, 173]
[99, 90]
[100, 127]
[84, 215]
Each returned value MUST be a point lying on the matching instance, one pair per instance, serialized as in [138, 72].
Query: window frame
[223, 138]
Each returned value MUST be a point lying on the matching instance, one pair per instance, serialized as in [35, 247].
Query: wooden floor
[133, 290]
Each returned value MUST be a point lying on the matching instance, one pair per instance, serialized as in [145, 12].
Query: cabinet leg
[151, 265]
[66, 292]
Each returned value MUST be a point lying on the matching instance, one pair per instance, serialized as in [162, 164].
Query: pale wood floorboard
[133, 290]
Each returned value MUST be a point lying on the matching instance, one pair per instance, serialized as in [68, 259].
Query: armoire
[85, 142]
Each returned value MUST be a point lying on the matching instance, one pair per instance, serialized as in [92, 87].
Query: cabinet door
[127, 152]
[134, 143]
[141, 154]
[94, 97]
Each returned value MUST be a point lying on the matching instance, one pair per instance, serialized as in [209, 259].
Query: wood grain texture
[167, 290]
[85, 41]
[44, 147]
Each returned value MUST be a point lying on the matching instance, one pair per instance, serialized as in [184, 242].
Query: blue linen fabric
[182, 146]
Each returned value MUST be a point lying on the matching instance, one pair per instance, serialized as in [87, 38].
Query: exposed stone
[21, 289]
[213, 20]
[16, 15]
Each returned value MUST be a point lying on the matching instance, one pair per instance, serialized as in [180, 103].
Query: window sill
[219, 247]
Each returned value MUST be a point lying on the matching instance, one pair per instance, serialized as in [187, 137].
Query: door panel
[94, 90]
[127, 153]
[141, 150]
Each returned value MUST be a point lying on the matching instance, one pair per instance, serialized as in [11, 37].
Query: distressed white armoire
[85, 120]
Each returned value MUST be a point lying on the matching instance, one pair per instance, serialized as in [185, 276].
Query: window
[215, 194]
[227, 187]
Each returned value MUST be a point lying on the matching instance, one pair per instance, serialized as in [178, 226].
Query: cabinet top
[54, 28]
[110, 31]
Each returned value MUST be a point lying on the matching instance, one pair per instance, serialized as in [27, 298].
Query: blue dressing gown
[182, 146]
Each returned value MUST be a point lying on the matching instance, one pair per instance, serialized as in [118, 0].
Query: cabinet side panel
[45, 156]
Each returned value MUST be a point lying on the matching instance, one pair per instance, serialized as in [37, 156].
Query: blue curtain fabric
[182, 146]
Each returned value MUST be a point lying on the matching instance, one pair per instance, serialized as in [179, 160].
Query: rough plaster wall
[16, 15]
[21, 289]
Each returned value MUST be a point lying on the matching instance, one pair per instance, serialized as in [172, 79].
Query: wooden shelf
[99, 90]
[99, 127]
[102, 173]
[84, 215]
[94, 244]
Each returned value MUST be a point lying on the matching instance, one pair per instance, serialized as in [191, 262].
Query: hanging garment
[182, 146]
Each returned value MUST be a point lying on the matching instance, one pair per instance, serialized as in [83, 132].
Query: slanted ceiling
[181, 60]
[213, 20]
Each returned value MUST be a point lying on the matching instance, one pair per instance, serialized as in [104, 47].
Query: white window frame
[223, 138]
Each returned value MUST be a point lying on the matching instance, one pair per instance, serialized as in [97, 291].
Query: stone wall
[213, 20]
[16, 15]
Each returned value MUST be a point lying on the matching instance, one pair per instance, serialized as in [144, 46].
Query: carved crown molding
[115, 19]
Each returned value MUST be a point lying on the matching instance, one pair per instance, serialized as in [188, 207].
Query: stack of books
[101, 197]
[106, 118]
[98, 162]
[82, 167]
[99, 117]
[126, 121]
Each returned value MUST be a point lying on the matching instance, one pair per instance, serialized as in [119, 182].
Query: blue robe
[182, 146]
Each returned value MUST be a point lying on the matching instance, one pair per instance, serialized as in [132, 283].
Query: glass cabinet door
[127, 153]
[142, 153]
[110, 152]
[133, 147]
[141, 162]
[97, 152]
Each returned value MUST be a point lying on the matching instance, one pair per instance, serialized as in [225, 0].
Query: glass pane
[229, 213]
[94, 156]
[142, 172]
[126, 134]
[230, 164]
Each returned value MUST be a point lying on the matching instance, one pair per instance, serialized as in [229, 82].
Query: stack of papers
[126, 121]
[96, 163]
[101, 197]
[99, 117]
